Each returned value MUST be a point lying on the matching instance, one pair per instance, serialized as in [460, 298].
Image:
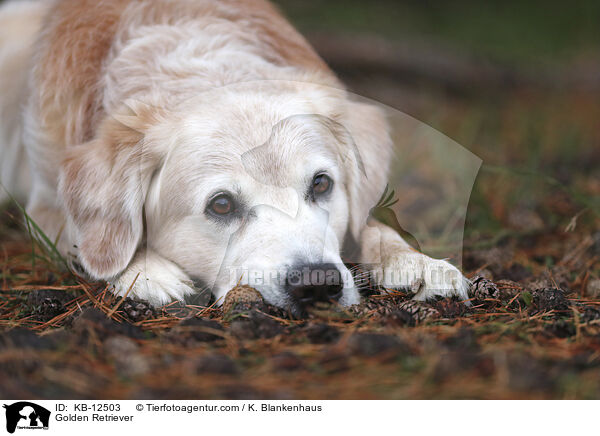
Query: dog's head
[241, 185]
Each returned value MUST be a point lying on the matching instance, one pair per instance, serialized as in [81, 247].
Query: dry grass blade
[116, 307]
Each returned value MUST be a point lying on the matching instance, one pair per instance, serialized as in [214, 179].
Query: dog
[173, 144]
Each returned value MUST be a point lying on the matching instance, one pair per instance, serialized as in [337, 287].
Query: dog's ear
[369, 151]
[103, 184]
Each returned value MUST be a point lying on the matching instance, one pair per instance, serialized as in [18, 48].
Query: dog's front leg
[396, 265]
[154, 279]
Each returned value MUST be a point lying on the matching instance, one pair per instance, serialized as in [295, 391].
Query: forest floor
[532, 332]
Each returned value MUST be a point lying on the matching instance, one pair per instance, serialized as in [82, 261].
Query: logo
[26, 415]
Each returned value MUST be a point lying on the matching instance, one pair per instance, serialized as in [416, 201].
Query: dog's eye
[321, 184]
[222, 204]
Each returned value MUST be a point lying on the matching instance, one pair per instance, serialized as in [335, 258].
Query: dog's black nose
[308, 284]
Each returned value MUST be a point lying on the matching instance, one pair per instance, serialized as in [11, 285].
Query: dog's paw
[425, 276]
[153, 279]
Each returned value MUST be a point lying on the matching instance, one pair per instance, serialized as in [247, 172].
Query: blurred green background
[510, 30]
[517, 83]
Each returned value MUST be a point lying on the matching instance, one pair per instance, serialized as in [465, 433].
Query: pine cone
[508, 289]
[419, 310]
[482, 289]
[136, 311]
[242, 299]
[378, 306]
[547, 299]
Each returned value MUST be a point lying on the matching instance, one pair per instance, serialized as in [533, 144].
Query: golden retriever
[167, 143]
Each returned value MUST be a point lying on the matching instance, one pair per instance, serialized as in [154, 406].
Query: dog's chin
[350, 296]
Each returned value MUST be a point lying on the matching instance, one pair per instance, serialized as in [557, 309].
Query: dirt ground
[532, 250]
